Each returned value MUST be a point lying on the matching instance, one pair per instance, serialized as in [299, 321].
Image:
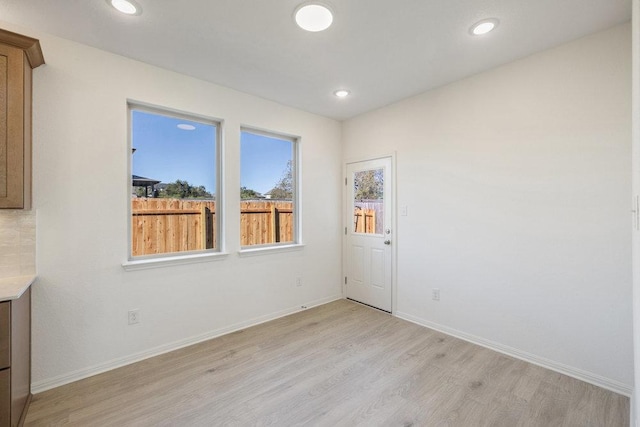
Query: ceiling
[381, 50]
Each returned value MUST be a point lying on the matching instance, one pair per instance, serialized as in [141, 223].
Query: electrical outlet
[435, 294]
[298, 281]
[134, 316]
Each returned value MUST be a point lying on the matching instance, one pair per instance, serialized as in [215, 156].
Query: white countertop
[13, 287]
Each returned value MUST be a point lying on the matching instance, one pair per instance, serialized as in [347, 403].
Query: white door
[369, 236]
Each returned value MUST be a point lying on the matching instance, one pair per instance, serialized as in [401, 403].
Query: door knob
[387, 242]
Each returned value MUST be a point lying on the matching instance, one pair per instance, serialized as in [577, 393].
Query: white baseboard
[579, 374]
[44, 385]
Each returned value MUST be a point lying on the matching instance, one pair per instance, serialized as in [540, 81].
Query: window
[268, 187]
[174, 183]
[368, 201]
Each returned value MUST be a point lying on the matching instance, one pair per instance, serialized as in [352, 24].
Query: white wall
[517, 184]
[635, 401]
[81, 191]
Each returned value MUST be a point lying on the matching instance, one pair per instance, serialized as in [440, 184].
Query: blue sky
[166, 153]
[263, 161]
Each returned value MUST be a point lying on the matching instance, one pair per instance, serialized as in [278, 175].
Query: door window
[368, 201]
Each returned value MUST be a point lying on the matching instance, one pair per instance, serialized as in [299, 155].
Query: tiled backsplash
[17, 243]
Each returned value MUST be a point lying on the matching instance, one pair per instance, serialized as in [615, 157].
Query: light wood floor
[341, 364]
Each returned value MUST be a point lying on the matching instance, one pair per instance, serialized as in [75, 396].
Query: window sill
[268, 250]
[143, 264]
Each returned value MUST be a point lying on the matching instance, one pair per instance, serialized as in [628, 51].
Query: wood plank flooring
[341, 364]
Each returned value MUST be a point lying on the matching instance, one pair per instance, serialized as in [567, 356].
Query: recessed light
[128, 7]
[313, 17]
[185, 126]
[483, 27]
[342, 93]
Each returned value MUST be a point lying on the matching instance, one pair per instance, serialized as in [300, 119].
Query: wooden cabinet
[18, 56]
[15, 359]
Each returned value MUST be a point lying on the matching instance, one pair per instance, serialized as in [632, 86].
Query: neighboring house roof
[141, 181]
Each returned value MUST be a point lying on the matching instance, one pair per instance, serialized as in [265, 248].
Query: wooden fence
[173, 225]
[364, 220]
[369, 216]
[263, 222]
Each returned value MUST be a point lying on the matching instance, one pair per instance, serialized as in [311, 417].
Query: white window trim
[297, 196]
[270, 249]
[167, 261]
[177, 258]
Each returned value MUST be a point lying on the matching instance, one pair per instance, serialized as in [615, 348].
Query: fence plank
[183, 242]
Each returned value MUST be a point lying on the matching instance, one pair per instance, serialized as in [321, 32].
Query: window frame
[296, 176]
[172, 258]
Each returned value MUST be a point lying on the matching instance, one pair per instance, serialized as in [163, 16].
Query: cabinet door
[12, 155]
[5, 334]
[20, 355]
[5, 397]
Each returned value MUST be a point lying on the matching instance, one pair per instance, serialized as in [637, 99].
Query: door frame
[347, 218]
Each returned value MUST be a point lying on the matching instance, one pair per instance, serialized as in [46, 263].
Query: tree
[183, 190]
[284, 187]
[247, 193]
[369, 185]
